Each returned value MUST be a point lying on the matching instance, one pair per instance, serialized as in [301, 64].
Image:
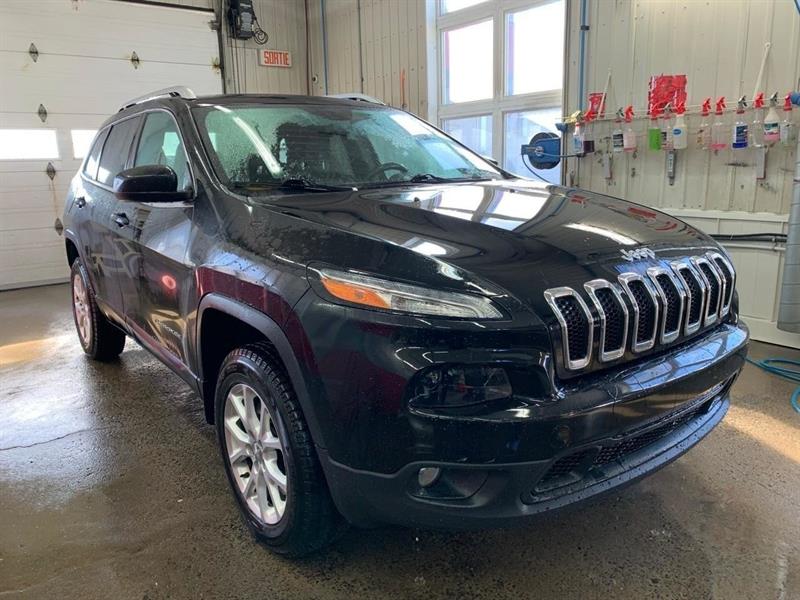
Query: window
[473, 132]
[468, 66]
[90, 168]
[519, 128]
[501, 70]
[160, 144]
[116, 149]
[81, 141]
[262, 145]
[28, 144]
[531, 33]
[453, 5]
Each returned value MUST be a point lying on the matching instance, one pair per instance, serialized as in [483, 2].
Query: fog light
[427, 476]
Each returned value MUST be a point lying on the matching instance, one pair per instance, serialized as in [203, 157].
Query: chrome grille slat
[695, 289]
[641, 340]
[667, 288]
[595, 290]
[728, 276]
[552, 296]
[713, 286]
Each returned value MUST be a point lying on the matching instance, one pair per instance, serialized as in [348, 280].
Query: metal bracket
[33, 51]
[42, 112]
[135, 59]
[51, 171]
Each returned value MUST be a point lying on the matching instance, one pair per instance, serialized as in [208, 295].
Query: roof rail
[176, 91]
[358, 97]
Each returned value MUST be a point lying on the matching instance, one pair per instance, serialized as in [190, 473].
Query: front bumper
[603, 433]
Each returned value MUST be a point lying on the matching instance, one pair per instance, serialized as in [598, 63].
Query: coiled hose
[782, 367]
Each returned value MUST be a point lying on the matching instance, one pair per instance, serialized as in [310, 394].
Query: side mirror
[149, 183]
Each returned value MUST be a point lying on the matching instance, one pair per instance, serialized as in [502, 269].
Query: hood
[520, 235]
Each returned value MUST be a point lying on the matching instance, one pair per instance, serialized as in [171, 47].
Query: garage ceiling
[82, 73]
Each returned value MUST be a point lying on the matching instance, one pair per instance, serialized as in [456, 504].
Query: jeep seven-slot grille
[671, 303]
[614, 338]
[577, 326]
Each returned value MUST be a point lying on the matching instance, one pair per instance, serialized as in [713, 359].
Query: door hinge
[34, 52]
[42, 112]
[51, 171]
[135, 59]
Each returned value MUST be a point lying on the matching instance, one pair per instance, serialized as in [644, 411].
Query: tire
[99, 338]
[298, 518]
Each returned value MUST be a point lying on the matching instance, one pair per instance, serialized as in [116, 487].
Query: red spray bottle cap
[759, 100]
[720, 105]
[787, 103]
[629, 114]
[706, 106]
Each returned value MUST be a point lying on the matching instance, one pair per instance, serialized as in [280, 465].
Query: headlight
[391, 295]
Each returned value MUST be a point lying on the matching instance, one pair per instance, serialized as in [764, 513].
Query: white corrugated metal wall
[377, 47]
[719, 45]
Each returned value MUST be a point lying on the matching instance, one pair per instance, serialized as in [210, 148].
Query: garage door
[65, 66]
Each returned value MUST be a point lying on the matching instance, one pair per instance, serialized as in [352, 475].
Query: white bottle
[629, 135]
[679, 137]
[617, 137]
[772, 123]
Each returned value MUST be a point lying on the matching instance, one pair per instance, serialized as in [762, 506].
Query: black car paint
[255, 258]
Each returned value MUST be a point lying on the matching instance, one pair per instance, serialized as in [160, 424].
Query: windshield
[259, 145]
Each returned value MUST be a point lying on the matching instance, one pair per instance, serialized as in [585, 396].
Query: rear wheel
[269, 456]
[99, 338]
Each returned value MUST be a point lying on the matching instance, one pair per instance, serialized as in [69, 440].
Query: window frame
[142, 115]
[500, 104]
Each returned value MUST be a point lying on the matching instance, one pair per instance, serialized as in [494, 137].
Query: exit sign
[275, 58]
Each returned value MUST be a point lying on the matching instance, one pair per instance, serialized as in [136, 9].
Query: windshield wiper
[299, 183]
[292, 184]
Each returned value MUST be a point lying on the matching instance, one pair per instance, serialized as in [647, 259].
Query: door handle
[80, 201]
[121, 219]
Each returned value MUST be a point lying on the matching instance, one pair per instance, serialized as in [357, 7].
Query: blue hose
[778, 366]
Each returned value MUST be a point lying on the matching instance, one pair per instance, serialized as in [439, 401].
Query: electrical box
[241, 18]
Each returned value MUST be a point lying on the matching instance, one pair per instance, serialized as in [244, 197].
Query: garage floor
[111, 487]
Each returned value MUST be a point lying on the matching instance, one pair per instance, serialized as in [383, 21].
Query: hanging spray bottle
[654, 131]
[772, 124]
[719, 133]
[679, 137]
[666, 128]
[588, 134]
[617, 136]
[740, 128]
[757, 126]
[787, 129]
[577, 138]
[629, 135]
[704, 132]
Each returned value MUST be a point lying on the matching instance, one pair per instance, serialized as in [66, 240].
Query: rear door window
[116, 150]
[90, 168]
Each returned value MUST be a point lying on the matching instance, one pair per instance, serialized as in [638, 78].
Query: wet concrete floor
[111, 486]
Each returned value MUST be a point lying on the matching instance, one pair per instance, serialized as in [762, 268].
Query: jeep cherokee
[384, 326]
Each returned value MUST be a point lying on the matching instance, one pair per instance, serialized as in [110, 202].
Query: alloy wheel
[80, 305]
[255, 454]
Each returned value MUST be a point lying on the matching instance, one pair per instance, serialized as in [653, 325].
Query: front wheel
[99, 338]
[269, 456]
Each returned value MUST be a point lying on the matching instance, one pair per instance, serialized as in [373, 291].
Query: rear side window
[160, 144]
[116, 149]
[90, 168]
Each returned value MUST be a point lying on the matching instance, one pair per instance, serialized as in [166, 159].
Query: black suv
[386, 327]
